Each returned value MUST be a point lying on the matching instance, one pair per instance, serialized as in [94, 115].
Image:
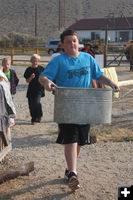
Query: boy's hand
[32, 76]
[103, 79]
[49, 86]
[2, 78]
[115, 88]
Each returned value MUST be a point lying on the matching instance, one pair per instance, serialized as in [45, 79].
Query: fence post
[12, 55]
[37, 51]
[105, 46]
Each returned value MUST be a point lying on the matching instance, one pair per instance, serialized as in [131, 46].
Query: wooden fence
[16, 52]
[114, 54]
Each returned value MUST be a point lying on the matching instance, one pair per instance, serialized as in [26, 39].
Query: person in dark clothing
[10, 74]
[88, 49]
[96, 50]
[35, 89]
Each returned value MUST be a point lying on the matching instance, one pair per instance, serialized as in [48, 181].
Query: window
[95, 36]
[124, 36]
[92, 35]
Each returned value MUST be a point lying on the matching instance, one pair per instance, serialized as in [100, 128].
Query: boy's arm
[103, 79]
[32, 76]
[46, 83]
[16, 78]
[28, 76]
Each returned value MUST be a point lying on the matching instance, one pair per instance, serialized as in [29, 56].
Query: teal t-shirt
[68, 71]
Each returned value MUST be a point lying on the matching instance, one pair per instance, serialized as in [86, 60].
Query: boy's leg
[38, 108]
[73, 137]
[67, 171]
[71, 156]
[35, 108]
[78, 150]
[31, 108]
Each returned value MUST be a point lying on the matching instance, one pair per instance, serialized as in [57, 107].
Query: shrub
[14, 39]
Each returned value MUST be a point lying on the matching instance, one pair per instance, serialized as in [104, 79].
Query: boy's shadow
[31, 141]
[28, 122]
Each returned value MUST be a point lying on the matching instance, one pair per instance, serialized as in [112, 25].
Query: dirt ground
[102, 166]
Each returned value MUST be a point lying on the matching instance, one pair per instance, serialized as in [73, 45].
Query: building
[118, 29]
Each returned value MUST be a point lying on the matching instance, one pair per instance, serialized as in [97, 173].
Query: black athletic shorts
[72, 133]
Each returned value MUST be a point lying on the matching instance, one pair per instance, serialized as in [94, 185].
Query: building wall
[113, 35]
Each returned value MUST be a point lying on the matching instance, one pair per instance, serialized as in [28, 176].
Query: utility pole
[35, 19]
[62, 8]
[64, 12]
[59, 15]
[106, 45]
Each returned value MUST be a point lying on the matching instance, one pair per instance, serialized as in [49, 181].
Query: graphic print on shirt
[78, 72]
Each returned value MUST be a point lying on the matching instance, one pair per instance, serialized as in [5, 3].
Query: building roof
[120, 23]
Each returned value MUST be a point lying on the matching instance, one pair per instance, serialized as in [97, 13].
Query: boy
[10, 74]
[35, 90]
[72, 69]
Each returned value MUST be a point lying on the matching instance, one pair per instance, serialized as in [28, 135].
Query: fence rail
[114, 55]
[13, 52]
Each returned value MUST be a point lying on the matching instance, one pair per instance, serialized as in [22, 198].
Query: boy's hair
[5, 60]
[35, 56]
[67, 33]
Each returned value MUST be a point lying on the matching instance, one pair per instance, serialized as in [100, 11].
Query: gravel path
[102, 167]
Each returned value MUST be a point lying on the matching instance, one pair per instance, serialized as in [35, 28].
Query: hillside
[19, 16]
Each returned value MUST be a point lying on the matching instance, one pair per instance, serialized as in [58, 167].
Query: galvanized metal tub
[83, 106]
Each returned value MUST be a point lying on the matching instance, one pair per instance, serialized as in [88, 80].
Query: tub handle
[53, 90]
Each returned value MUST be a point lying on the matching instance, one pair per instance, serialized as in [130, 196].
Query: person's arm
[103, 79]
[46, 83]
[16, 78]
[32, 76]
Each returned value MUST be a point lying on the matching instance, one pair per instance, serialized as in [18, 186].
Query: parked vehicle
[52, 45]
[81, 46]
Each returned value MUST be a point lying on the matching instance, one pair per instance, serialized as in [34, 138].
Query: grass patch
[112, 134]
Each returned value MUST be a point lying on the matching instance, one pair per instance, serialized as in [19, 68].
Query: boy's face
[34, 62]
[70, 45]
[6, 66]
